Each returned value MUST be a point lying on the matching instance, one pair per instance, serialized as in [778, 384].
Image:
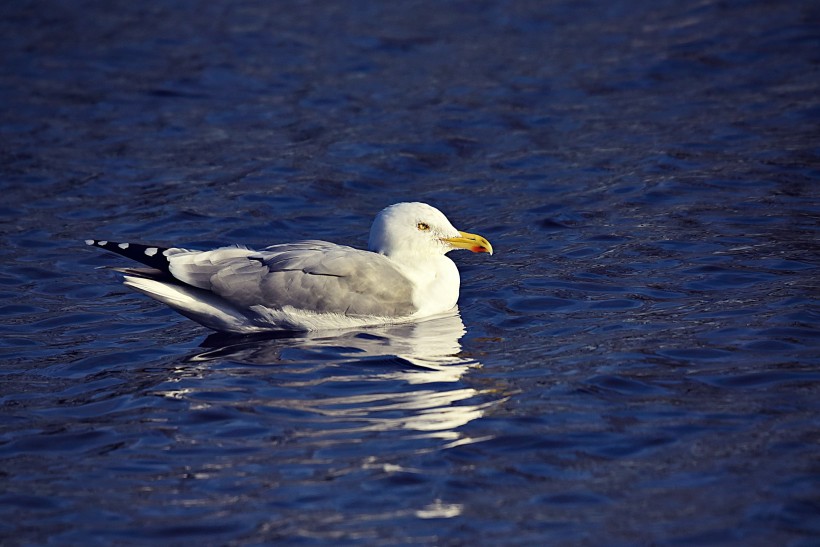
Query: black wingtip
[150, 255]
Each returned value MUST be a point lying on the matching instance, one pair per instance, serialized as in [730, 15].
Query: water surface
[637, 363]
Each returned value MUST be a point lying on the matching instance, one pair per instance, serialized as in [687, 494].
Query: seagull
[311, 285]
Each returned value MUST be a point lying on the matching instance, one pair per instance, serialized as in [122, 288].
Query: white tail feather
[202, 306]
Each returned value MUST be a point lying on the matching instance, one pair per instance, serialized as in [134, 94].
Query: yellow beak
[473, 242]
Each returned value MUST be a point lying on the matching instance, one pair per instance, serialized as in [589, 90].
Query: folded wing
[316, 276]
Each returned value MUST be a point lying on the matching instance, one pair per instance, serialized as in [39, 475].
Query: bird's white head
[421, 230]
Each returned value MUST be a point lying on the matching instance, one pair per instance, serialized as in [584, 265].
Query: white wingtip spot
[151, 251]
[102, 243]
[89, 242]
[123, 245]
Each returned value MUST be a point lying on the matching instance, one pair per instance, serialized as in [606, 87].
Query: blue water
[637, 364]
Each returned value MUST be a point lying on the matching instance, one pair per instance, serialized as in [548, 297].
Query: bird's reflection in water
[398, 377]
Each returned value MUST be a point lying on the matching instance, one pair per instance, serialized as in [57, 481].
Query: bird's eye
[423, 226]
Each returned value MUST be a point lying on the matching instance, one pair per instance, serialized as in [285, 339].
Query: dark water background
[637, 364]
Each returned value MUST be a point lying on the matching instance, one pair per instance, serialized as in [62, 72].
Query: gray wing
[308, 275]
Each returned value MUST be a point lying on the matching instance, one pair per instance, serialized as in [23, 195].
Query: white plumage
[311, 285]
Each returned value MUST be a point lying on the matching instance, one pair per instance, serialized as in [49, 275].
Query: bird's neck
[435, 280]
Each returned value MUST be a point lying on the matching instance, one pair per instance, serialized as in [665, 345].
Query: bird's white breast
[435, 284]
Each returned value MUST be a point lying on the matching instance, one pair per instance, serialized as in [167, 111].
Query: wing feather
[309, 275]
